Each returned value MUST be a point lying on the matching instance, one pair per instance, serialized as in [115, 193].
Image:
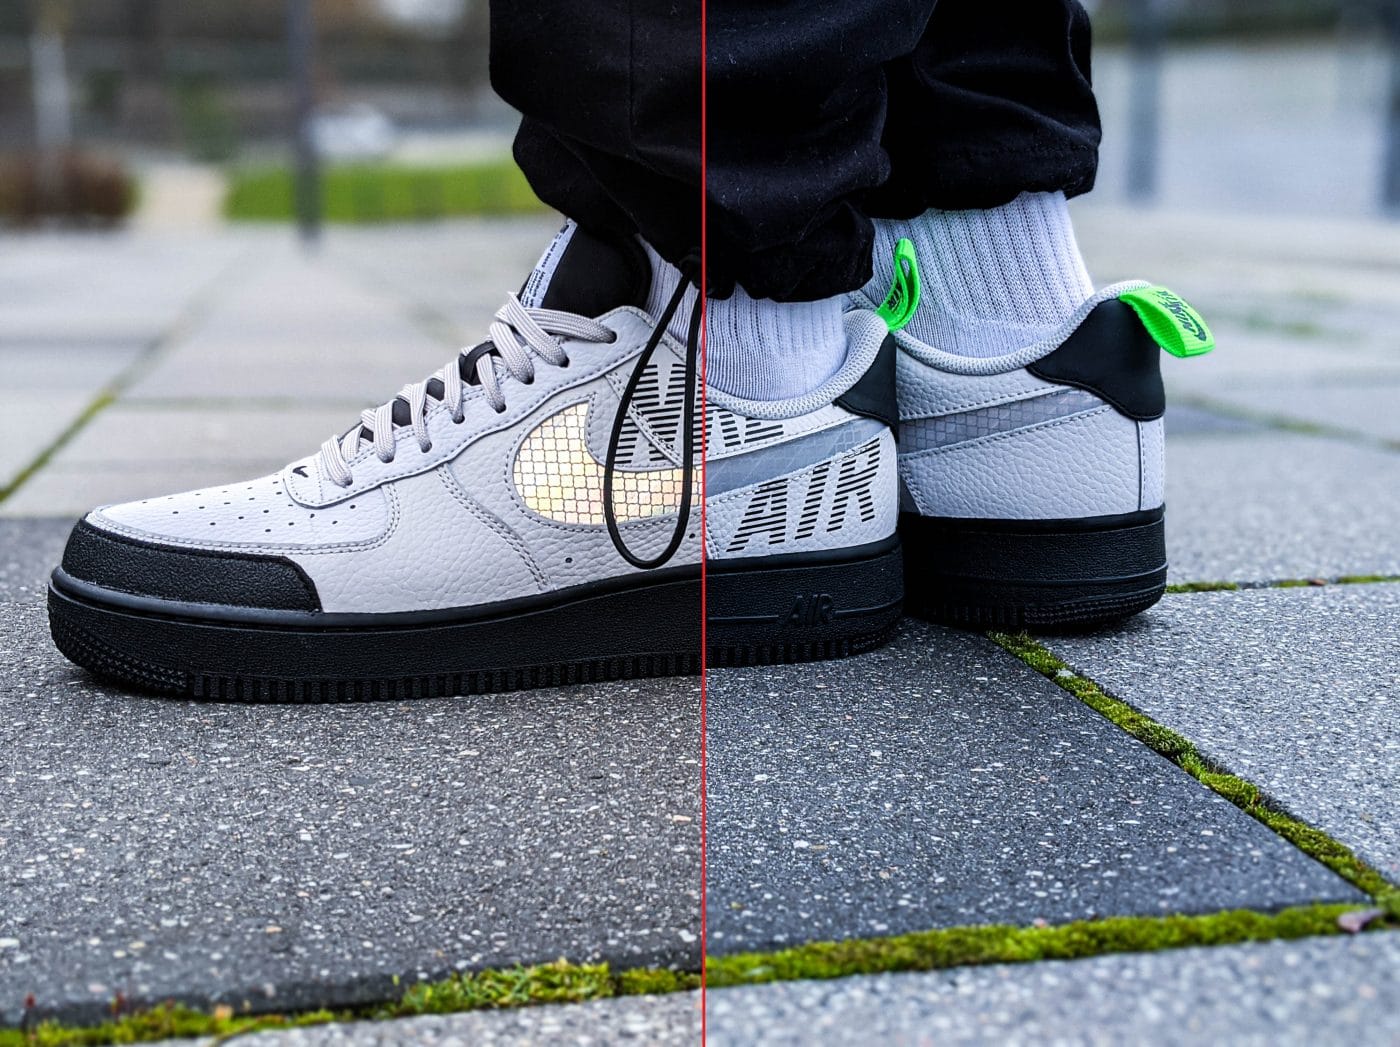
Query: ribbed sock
[993, 280]
[757, 348]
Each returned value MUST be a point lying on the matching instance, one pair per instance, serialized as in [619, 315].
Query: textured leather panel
[1085, 465]
[847, 500]
[192, 576]
[255, 514]
[444, 551]
[926, 392]
[1152, 452]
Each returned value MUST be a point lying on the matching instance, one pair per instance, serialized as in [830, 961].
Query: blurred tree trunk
[53, 113]
[147, 113]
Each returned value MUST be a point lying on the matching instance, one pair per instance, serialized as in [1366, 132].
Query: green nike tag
[898, 307]
[1173, 324]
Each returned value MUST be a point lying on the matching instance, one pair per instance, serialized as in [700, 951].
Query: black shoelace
[692, 374]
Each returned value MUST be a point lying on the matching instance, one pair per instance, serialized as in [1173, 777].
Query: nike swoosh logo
[558, 478]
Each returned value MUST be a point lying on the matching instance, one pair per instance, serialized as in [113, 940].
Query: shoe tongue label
[898, 307]
[532, 294]
[1173, 324]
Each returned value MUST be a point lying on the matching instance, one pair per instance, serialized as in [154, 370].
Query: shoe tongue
[589, 273]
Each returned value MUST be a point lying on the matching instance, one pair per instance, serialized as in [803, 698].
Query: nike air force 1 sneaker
[1031, 484]
[528, 516]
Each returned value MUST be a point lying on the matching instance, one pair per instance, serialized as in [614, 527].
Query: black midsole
[640, 615]
[1112, 551]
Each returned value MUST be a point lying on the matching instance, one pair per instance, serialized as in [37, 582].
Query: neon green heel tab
[1173, 324]
[898, 307]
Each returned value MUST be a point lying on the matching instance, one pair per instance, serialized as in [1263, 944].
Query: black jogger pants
[821, 115]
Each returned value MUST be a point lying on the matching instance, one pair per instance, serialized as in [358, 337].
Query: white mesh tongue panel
[532, 294]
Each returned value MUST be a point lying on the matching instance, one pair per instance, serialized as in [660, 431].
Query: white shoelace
[516, 336]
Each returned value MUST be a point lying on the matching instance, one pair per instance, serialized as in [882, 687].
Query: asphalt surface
[940, 782]
[1321, 991]
[1297, 690]
[665, 1021]
[294, 857]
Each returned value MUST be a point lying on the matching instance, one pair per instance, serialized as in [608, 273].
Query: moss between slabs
[89, 412]
[1243, 794]
[963, 946]
[1285, 583]
[559, 982]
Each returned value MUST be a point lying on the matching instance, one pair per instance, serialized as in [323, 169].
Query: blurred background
[164, 164]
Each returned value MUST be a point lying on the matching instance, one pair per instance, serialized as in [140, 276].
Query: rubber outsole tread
[90, 652]
[1080, 614]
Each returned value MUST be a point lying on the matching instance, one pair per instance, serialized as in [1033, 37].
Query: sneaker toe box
[140, 567]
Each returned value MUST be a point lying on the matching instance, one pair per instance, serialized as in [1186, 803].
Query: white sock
[756, 348]
[992, 281]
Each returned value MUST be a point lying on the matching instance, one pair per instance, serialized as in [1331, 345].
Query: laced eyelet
[565, 362]
[386, 461]
[528, 381]
[458, 419]
[612, 339]
[500, 410]
[426, 449]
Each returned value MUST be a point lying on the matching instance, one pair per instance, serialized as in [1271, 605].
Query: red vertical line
[704, 531]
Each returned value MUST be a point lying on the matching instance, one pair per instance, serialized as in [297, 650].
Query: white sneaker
[1031, 484]
[458, 539]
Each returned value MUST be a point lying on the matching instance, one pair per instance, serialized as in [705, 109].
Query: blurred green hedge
[386, 192]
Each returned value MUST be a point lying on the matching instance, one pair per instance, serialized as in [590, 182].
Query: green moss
[560, 982]
[159, 1023]
[72, 430]
[1202, 587]
[652, 981]
[385, 192]
[961, 946]
[1175, 747]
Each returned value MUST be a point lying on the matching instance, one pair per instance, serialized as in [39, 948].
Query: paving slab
[1368, 408]
[458, 272]
[662, 1020]
[299, 328]
[1324, 990]
[29, 550]
[298, 856]
[940, 782]
[1265, 506]
[78, 287]
[45, 387]
[131, 451]
[1297, 690]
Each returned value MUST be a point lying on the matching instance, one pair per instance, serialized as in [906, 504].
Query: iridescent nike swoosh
[557, 476]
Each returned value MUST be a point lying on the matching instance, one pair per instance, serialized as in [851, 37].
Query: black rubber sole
[1048, 574]
[648, 628]
[804, 608]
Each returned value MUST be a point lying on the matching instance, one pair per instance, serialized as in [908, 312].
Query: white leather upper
[1093, 463]
[448, 527]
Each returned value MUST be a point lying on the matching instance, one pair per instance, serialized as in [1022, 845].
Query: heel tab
[1173, 324]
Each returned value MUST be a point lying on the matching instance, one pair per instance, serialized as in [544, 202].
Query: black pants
[821, 115]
